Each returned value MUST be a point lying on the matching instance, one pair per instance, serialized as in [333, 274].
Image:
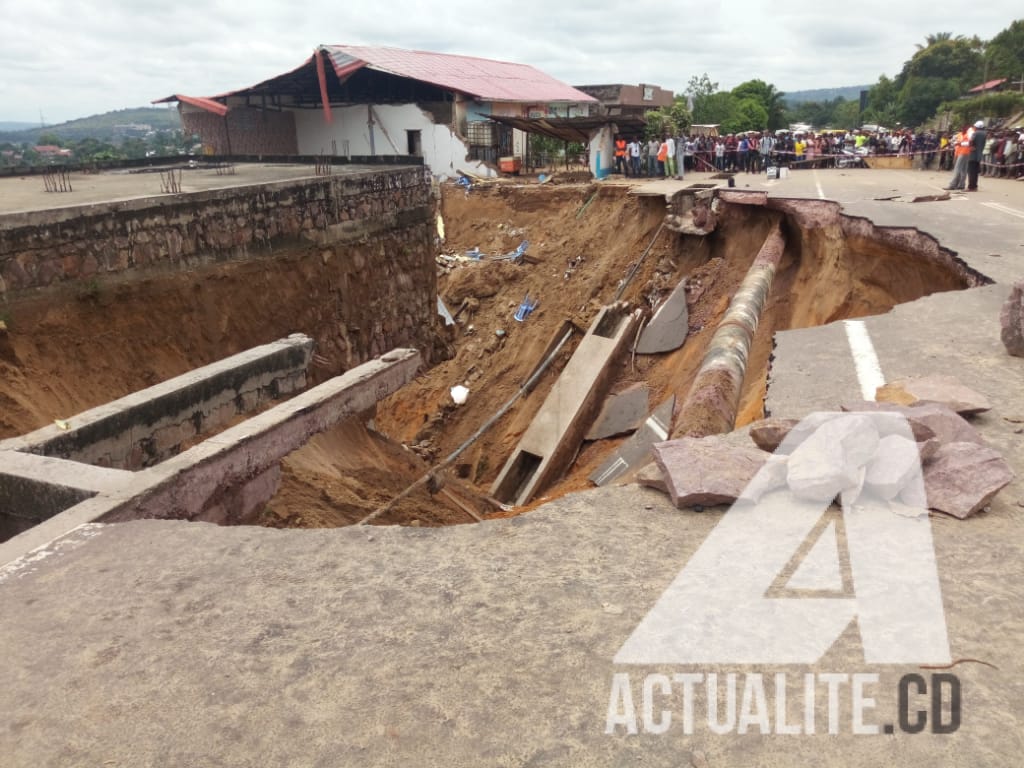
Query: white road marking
[817, 183]
[657, 428]
[616, 468]
[1005, 209]
[869, 372]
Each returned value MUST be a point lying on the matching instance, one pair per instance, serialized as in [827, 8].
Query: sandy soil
[68, 352]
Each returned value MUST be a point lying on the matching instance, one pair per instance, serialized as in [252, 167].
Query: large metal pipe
[714, 396]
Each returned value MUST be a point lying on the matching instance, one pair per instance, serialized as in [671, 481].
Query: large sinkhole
[585, 242]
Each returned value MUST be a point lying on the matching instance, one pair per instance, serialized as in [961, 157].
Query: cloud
[74, 59]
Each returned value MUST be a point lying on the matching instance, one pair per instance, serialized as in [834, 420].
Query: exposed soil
[71, 352]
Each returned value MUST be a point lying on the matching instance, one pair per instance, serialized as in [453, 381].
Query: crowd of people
[753, 151]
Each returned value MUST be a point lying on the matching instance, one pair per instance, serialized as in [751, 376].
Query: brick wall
[246, 132]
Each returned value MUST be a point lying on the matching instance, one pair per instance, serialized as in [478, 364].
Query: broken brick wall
[243, 132]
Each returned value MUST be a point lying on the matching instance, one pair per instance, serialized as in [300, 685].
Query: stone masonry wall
[365, 239]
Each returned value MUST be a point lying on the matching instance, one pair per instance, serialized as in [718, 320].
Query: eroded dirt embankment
[64, 356]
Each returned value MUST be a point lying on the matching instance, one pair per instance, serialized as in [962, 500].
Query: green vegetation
[125, 134]
[669, 120]
[965, 111]
[934, 80]
[753, 105]
[102, 127]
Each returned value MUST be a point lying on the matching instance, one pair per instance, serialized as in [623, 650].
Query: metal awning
[208, 105]
[571, 128]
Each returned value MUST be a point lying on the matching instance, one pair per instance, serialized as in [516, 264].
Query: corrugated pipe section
[714, 397]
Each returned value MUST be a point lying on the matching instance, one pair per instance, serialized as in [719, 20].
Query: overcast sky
[72, 59]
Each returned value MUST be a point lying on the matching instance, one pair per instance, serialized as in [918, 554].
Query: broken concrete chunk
[668, 328]
[622, 412]
[768, 434]
[707, 471]
[830, 460]
[936, 389]
[1011, 318]
[964, 477]
[651, 476]
[945, 425]
[635, 452]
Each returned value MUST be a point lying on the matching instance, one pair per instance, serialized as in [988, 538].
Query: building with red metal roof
[354, 100]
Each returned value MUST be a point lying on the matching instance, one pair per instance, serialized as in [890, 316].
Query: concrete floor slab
[20, 194]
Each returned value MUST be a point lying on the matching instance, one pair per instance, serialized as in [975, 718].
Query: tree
[715, 108]
[749, 115]
[882, 106]
[771, 100]
[920, 97]
[700, 86]
[846, 115]
[674, 119]
[50, 139]
[1005, 52]
[938, 37]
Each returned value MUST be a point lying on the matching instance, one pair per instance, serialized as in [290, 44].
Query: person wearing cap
[974, 159]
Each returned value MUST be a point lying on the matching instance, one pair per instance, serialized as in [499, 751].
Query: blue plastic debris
[465, 182]
[514, 256]
[525, 308]
[474, 253]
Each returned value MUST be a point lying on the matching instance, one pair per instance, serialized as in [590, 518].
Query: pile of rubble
[912, 449]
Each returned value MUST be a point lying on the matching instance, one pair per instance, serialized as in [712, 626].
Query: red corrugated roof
[209, 105]
[484, 79]
[987, 86]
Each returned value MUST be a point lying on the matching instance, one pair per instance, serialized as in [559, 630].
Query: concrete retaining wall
[151, 425]
[41, 249]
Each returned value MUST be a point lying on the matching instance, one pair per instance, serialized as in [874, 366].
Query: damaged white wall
[443, 151]
[602, 152]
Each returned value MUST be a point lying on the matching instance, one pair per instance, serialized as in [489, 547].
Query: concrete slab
[669, 325]
[147, 426]
[553, 437]
[167, 643]
[225, 478]
[26, 193]
[622, 412]
[636, 452]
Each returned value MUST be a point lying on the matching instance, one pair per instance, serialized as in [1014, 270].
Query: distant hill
[848, 92]
[15, 126]
[102, 127]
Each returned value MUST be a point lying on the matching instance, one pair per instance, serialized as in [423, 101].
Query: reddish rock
[935, 389]
[707, 471]
[964, 477]
[651, 476]
[768, 434]
[927, 420]
[1012, 320]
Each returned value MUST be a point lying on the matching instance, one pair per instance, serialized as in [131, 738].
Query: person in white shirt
[670, 157]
